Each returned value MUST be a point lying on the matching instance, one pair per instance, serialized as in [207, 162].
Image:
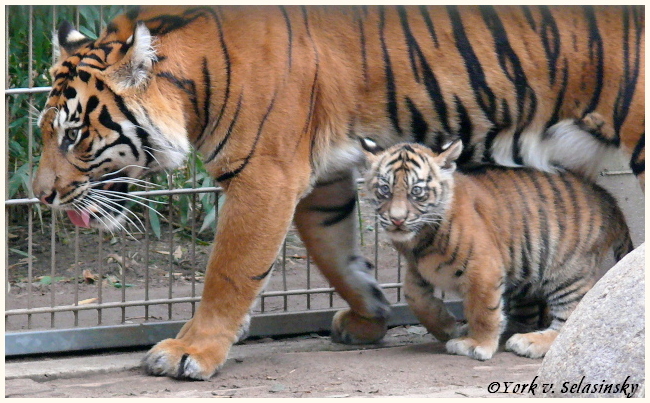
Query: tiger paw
[471, 348]
[532, 345]
[351, 328]
[176, 359]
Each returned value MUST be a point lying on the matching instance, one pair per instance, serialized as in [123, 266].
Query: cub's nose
[397, 221]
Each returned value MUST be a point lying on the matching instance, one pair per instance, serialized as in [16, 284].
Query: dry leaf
[178, 253]
[88, 276]
[87, 301]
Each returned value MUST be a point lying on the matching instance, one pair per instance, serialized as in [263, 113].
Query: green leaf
[154, 221]
[209, 220]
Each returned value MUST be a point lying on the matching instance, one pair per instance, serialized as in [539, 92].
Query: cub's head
[412, 185]
[97, 129]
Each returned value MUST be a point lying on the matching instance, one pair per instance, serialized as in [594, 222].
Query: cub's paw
[532, 345]
[176, 359]
[351, 328]
[471, 348]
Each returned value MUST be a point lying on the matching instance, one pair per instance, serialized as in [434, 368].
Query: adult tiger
[274, 99]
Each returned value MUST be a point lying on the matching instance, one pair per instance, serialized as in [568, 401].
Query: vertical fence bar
[193, 224]
[52, 268]
[100, 274]
[123, 274]
[30, 146]
[170, 184]
[77, 274]
[7, 12]
[147, 226]
[284, 273]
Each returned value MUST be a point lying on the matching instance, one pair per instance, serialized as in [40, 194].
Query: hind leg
[561, 302]
[327, 225]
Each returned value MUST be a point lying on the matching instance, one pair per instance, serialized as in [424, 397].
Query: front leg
[252, 225]
[430, 310]
[327, 226]
[483, 308]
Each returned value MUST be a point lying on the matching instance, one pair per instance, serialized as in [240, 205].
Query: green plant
[23, 110]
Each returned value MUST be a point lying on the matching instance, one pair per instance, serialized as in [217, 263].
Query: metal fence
[73, 289]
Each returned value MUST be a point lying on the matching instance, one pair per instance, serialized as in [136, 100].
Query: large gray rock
[603, 342]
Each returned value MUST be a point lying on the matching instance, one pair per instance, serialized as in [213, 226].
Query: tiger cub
[505, 239]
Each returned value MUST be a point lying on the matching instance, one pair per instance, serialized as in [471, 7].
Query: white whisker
[105, 201]
[127, 197]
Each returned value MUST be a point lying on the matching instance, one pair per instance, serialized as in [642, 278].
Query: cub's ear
[67, 40]
[370, 149]
[133, 71]
[447, 158]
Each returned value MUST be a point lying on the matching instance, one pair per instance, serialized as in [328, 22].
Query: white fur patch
[74, 36]
[565, 145]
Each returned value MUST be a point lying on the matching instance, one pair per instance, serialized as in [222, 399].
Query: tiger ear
[67, 40]
[447, 158]
[133, 71]
[370, 149]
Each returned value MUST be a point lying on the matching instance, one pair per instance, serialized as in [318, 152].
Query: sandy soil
[406, 363]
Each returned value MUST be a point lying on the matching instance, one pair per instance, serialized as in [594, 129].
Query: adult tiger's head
[98, 123]
[412, 185]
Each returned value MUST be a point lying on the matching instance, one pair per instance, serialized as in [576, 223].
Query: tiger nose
[397, 221]
[48, 199]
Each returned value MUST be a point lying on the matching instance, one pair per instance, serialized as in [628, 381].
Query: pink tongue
[79, 219]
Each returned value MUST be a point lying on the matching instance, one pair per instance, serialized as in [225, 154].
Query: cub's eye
[71, 134]
[417, 191]
[384, 190]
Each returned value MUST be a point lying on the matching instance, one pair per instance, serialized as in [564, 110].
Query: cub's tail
[623, 244]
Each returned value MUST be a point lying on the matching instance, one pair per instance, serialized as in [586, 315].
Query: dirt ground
[408, 363]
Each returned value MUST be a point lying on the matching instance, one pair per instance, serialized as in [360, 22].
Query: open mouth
[101, 207]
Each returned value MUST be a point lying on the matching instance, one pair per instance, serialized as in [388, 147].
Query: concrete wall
[626, 189]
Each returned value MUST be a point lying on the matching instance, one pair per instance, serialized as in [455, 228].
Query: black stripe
[391, 94]
[237, 171]
[186, 85]
[419, 126]
[427, 20]
[106, 120]
[631, 68]
[596, 56]
[289, 33]
[430, 81]
[482, 92]
[312, 95]
[207, 102]
[263, 275]
[141, 133]
[341, 212]
[464, 132]
[637, 164]
[362, 39]
[223, 141]
[545, 249]
[550, 40]
[226, 96]
[511, 66]
[529, 17]
[572, 196]
[555, 117]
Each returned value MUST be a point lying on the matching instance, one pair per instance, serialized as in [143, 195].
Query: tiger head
[411, 185]
[102, 125]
